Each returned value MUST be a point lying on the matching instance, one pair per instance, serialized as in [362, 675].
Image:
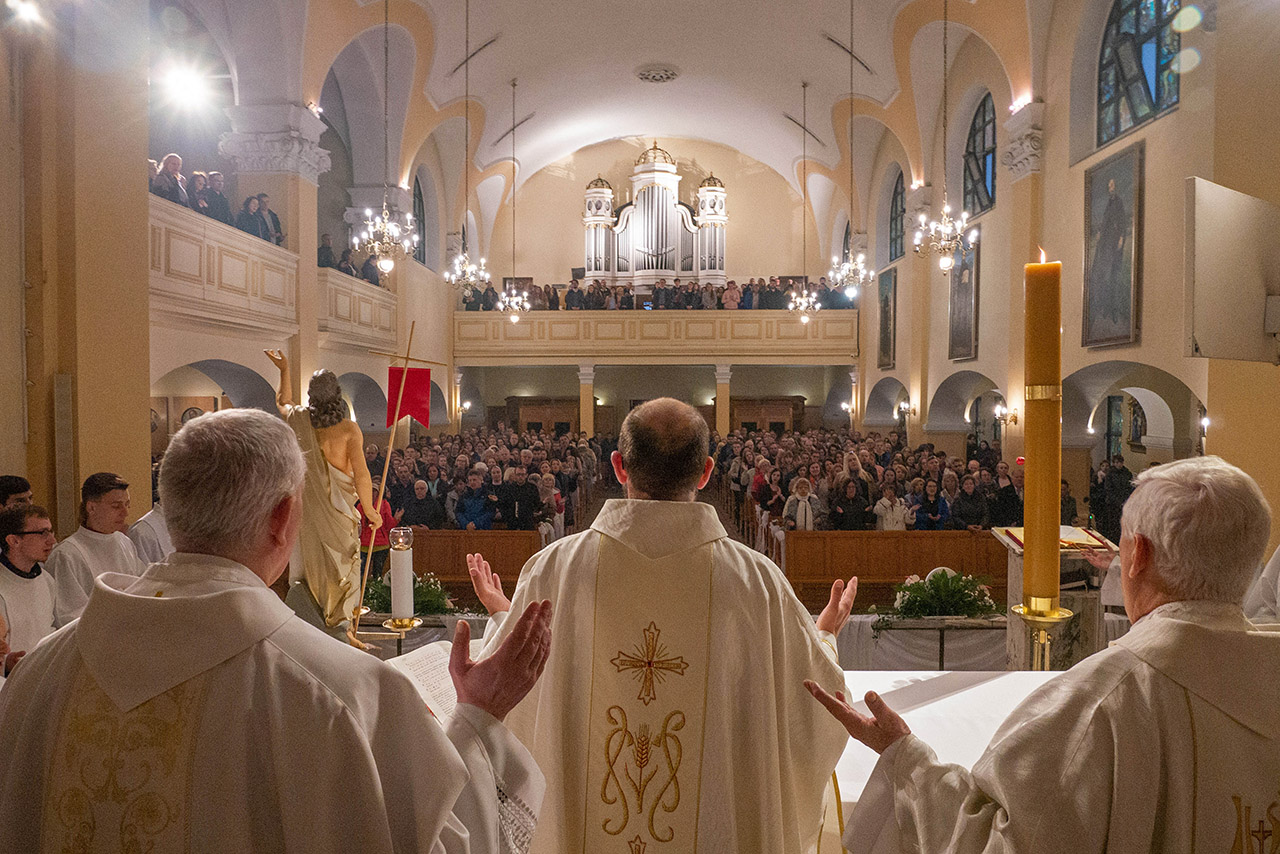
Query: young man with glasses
[26, 590]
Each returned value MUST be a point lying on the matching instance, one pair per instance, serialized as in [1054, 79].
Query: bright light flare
[185, 87]
[25, 11]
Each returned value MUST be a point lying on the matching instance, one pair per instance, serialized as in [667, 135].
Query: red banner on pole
[417, 394]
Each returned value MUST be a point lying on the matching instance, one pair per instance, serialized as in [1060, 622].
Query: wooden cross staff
[405, 358]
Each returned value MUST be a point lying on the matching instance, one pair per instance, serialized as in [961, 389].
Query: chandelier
[851, 273]
[466, 274]
[945, 236]
[514, 302]
[803, 301]
[383, 237]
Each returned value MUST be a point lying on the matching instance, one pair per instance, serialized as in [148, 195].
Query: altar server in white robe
[1168, 741]
[150, 536]
[26, 590]
[191, 710]
[668, 719]
[97, 547]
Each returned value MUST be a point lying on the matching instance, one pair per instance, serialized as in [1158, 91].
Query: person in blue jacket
[476, 505]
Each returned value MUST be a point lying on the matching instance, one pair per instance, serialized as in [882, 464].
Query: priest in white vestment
[97, 547]
[191, 710]
[150, 536]
[26, 590]
[670, 718]
[1168, 741]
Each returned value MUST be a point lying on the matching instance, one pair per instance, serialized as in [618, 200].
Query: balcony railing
[204, 270]
[356, 312]
[661, 337]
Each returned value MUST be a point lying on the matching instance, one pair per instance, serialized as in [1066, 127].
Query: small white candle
[401, 574]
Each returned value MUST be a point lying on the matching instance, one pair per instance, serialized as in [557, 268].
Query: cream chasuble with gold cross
[672, 715]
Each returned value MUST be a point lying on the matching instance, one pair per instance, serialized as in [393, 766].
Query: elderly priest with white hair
[189, 709]
[1168, 741]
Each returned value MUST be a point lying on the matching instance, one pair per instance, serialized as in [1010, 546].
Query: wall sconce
[905, 409]
[466, 406]
[846, 407]
[315, 108]
[1006, 415]
[1204, 425]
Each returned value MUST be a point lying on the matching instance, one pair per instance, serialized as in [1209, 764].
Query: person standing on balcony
[248, 220]
[170, 183]
[217, 205]
[369, 271]
[274, 232]
[573, 297]
[324, 255]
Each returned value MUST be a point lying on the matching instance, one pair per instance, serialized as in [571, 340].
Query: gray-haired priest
[1169, 741]
[190, 710]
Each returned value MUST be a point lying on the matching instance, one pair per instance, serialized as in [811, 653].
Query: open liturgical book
[428, 668]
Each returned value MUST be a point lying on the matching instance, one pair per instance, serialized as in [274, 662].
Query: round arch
[1170, 406]
[367, 401]
[949, 408]
[243, 386]
[882, 402]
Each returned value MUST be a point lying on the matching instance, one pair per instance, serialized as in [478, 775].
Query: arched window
[419, 224]
[1136, 76]
[897, 219]
[848, 242]
[980, 159]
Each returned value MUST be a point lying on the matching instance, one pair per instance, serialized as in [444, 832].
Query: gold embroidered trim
[1044, 392]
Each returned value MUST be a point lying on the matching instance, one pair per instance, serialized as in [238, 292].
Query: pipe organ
[655, 235]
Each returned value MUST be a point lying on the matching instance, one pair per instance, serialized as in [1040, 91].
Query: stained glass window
[980, 159]
[419, 223]
[897, 219]
[1136, 80]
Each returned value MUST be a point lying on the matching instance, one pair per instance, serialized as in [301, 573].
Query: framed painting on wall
[888, 298]
[1113, 249]
[962, 333]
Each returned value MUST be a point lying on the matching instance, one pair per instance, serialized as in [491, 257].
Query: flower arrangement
[429, 596]
[943, 593]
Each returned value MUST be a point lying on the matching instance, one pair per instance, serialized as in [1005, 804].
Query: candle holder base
[402, 625]
[1041, 624]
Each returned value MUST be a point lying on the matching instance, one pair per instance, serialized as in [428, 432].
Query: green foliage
[942, 595]
[429, 596]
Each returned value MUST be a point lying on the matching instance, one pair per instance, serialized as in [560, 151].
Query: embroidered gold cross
[650, 663]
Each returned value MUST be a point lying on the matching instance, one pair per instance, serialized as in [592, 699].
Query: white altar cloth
[894, 650]
[955, 713]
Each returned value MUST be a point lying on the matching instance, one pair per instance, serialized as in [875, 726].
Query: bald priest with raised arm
[1168, 741]
[189, 709]
[673, 716]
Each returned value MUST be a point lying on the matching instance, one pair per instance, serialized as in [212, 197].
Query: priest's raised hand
[497, 682]
[878, 732]
[488, 585]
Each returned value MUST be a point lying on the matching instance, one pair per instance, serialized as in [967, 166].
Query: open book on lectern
[428, 668]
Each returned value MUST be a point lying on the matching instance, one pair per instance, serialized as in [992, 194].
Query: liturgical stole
[651, 649]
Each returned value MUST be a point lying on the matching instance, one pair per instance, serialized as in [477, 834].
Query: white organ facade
[655, 236]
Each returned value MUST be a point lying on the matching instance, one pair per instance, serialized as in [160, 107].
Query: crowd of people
[485, 479]
[763, 293]
[203, 193]
[848, 481]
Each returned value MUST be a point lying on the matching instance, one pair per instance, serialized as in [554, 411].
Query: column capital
[586, 374]
[457, 377]
[1025, 128]
[853, 374]
[919, 201]
[275, 138]
[724, 373]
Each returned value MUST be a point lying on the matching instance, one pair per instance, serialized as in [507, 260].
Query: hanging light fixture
[466, 274]
[947, 235]
[850, 273]
[383, 237]
[512, 301]
[804, 301]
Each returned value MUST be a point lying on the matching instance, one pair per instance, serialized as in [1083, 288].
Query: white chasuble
[1166, 742]
[189, 710]
[672, 716]
[648, 704]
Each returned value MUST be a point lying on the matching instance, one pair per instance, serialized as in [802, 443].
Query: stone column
[853, 397]
[916, 279]
[276, 149]
[587, 399]
[83, 100]
[723, 374]
[455, 399]
[1023, 163]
